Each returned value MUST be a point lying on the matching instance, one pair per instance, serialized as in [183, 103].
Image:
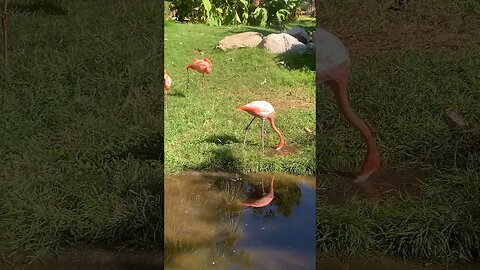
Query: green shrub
[221, 12]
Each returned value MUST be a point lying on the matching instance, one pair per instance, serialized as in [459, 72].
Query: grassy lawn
[80, 127]
[206, 132]
[408, 67]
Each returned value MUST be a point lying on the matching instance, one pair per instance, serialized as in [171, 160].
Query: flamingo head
[246, 108]
[280, 145]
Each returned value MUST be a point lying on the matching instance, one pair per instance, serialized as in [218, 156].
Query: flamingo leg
[263, 135]
[203, 85]
[246, 129]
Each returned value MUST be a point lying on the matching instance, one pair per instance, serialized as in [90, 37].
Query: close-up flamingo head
[246, 108]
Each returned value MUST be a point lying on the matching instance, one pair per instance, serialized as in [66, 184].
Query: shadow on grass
[46, 7]
[221, 159]
[148, 149]
[222, 139]
[141, 226]
[176, 94]
[457, 148]
[298, 62]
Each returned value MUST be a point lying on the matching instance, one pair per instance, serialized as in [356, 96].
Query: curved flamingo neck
[279, 133]
[270, 193]
[372, 160]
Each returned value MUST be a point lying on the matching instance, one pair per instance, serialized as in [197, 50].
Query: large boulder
[299, 33]
[281, 43]
[242, 40]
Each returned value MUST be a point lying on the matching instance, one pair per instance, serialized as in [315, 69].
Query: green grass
[81, 127]
[403, 92]
[206, 133]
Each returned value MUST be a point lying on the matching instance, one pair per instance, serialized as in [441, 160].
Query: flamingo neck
[279, 133]
[373, 157]
[270, 193]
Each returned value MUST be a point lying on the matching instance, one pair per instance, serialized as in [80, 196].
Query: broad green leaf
[207, 5]
[245, 4]
[237, 18]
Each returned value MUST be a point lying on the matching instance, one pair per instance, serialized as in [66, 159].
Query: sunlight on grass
[195, 125]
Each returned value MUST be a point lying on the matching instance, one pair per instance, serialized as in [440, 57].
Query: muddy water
[206, 228]
[286, 150]
[398, 182]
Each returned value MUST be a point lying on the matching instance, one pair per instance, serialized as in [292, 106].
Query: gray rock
[281, 43]
[299, 33]
[310, 46]
[241, 40]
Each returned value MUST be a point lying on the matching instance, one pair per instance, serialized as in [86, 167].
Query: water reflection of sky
[294, 234]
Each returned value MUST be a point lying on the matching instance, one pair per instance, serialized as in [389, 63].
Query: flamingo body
[259, 108]
[167, 80]
[167, 83]
[263, 110]
[263, 201]
[203, 66]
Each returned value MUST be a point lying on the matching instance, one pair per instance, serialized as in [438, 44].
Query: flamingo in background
[263, 201]
[203, 66]
[333, 69]
[262, 110]
[167, 83]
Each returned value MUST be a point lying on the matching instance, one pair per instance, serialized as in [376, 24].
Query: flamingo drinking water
[333, 69]
[203, 66]
[263, 201]
[167, 83]
[262, 110]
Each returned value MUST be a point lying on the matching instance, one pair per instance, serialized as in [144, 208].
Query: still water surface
[205, 228]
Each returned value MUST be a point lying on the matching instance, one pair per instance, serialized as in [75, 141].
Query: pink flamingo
[262, 110]
[333, 69]
[167, 83]
[203, 66]
[263, 201]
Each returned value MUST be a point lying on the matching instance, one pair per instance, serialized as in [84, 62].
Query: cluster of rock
[295, 40]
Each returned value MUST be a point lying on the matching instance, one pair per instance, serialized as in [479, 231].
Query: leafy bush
[280, 11]
[167, 13]
[217, 12]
